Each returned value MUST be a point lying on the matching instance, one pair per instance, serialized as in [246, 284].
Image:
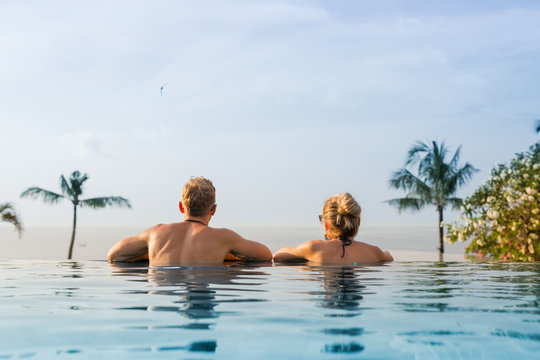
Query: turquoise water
[416, 310]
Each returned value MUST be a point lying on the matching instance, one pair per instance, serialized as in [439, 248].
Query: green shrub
[502, 218]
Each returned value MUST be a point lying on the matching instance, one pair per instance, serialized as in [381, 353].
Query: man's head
[198, 196]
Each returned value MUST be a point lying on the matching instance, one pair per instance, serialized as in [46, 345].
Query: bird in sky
[161, 89]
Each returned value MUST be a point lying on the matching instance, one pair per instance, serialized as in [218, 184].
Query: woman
[341, 219]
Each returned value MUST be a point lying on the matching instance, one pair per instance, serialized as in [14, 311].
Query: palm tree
[8, 214]
[435, 184]
[72, 191]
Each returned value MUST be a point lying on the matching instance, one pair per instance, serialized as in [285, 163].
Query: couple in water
[193, 242]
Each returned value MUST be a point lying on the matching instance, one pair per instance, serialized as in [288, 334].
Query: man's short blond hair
[198, 196]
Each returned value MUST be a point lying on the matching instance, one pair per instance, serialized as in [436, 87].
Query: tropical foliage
[502, 218]
[435, 183]
[72, 192]
[8, 214]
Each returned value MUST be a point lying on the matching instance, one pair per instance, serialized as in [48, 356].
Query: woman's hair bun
[342, 214]
[346, 205]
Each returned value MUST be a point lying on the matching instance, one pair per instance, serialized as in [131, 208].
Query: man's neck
[198, 219]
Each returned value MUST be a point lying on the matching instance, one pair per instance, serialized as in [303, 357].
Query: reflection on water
[344, 348]
[434, 287]
[341, 290]
[491, 290]
[198, 346]
[398, 311]
[191, 290]
[194, 293]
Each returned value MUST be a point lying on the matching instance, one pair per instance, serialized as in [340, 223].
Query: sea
[93, 242]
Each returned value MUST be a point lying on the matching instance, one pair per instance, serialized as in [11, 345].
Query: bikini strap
[345, 241]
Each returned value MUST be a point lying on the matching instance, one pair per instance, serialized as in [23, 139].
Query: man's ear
[213, 209]
[181, 207]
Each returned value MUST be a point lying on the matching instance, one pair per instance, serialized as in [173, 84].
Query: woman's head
[341, 213]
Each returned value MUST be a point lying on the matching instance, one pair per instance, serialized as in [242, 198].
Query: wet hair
[342, 215]
[198, 196]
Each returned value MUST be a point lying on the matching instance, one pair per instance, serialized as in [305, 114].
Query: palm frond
[404, 179]
[437, 180]
[455, 202]
[66, 189]
[46, 195]
[414, 152]
[538, 126]
[5, 206]
[432, 165]
[8, 214]
[407, 203]
[102, 202]
[455, 159]
[77, 181]
[462, 175]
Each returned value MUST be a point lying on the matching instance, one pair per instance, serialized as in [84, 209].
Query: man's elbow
[262, 255]
[267, 255]
[111, 255]
[115, 252]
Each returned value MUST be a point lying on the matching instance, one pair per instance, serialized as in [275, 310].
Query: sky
[280, 103]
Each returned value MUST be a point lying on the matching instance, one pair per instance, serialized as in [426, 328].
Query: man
[191, 241]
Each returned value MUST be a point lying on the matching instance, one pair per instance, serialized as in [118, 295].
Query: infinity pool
[419, 310]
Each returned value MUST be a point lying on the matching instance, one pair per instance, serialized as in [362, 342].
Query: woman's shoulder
[366, 245]
[376, 251]
[312, 244]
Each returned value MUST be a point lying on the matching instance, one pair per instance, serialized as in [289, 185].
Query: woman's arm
[295, 253]
[387, 256]
[382, 255]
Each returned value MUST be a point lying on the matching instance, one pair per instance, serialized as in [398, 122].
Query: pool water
[416, 310]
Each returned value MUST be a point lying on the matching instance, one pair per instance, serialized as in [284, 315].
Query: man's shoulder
[163, 227]
[224, 232]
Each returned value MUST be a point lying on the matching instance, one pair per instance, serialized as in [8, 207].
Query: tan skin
[330, 251]
[187, 243]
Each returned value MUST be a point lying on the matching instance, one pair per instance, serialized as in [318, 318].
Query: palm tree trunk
[73, 231]
[441, 234]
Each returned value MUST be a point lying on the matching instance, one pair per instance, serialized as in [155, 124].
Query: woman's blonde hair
[198, 196]
[342, 215]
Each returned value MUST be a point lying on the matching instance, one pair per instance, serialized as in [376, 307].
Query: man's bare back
[187, 243]
[192, 241]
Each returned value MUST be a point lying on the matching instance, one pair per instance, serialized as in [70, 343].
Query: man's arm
[247, 249]
[130, 249]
